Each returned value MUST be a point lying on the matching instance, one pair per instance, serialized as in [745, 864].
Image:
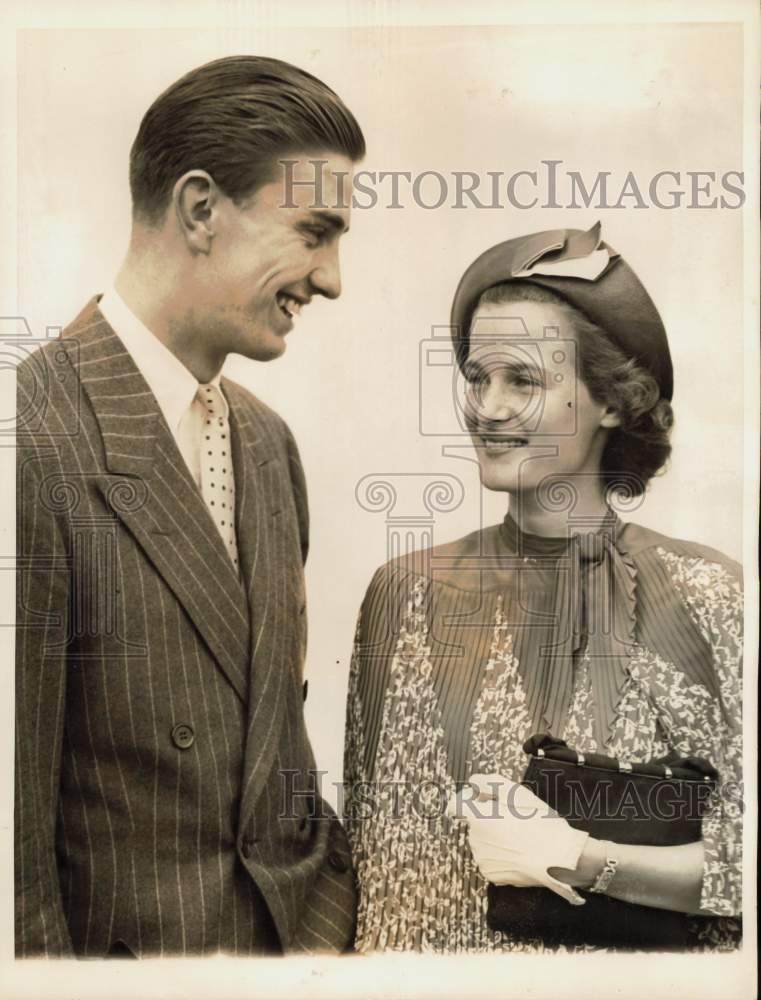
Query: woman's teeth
[501, 444]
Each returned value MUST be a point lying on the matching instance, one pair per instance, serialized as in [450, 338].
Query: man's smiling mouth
[288, 305]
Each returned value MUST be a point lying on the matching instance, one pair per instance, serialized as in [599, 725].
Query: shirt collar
[173, 385]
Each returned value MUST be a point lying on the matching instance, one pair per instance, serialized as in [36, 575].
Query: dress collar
[593, 611]
[590, 544]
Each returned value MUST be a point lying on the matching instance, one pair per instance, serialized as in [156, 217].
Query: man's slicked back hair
[234, 118]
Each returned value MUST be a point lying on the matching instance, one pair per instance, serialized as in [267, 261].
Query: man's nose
[326, 277]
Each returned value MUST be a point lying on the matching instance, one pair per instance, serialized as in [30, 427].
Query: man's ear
[610, 417]
[194, 198]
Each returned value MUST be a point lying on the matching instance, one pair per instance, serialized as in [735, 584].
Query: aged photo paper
[483, 122]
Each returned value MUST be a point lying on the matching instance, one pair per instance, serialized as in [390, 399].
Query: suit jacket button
[338, 863]
[247, 848]
[183, 736]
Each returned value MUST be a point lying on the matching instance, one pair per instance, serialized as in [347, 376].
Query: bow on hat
[590, 275]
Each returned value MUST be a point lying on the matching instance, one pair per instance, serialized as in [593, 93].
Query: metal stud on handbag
[658, 802]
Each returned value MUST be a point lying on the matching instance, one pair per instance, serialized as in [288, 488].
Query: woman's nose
[495, 402]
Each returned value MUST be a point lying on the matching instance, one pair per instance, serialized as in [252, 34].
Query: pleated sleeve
[710, 589]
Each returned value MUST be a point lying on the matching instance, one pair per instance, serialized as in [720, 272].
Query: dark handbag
[660, 802]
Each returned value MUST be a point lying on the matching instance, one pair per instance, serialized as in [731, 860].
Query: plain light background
[620, 95]
[616, 98]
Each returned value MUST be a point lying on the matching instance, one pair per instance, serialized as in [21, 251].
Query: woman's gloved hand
[515, 837]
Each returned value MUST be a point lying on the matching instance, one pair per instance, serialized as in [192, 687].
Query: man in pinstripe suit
[162, 528]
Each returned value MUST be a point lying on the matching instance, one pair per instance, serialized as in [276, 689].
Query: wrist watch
[608, 872]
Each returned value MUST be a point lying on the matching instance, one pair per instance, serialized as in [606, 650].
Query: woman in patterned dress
[562, 619]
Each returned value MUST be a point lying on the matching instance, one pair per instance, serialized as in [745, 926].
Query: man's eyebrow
[333, 219]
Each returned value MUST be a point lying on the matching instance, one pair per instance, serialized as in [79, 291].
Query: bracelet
[605, 877]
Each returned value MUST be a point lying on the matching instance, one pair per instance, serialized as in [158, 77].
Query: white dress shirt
[173, 385]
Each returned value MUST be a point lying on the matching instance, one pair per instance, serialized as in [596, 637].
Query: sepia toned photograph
[381, 398]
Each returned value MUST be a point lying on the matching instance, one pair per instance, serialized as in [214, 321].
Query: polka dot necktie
[217, 482]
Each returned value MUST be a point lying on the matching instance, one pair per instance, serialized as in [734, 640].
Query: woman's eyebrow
[473, 366]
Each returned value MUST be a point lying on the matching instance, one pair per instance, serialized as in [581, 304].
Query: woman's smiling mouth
[495, 444]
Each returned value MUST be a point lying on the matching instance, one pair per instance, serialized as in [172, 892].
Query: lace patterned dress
[624, 642]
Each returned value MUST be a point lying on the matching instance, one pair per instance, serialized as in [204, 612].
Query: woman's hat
[586, 272]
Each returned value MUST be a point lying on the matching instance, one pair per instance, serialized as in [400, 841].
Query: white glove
[515, 837]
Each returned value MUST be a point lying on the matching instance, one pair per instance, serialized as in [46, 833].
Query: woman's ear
[194, 197]
[610, 417]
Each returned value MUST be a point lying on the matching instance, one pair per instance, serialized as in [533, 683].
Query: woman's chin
[504, 473]
[499, 480]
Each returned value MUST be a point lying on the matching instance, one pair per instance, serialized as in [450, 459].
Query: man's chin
[265, 349]
[275, 351]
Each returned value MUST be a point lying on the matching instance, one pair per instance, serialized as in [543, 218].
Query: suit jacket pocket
[120, 949]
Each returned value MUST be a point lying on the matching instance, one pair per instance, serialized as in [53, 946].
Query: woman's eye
[526, 379]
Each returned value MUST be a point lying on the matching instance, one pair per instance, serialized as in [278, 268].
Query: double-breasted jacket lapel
[270, 558]
[148, 487]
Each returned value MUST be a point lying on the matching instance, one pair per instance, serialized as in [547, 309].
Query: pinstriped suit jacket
[159, 696]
